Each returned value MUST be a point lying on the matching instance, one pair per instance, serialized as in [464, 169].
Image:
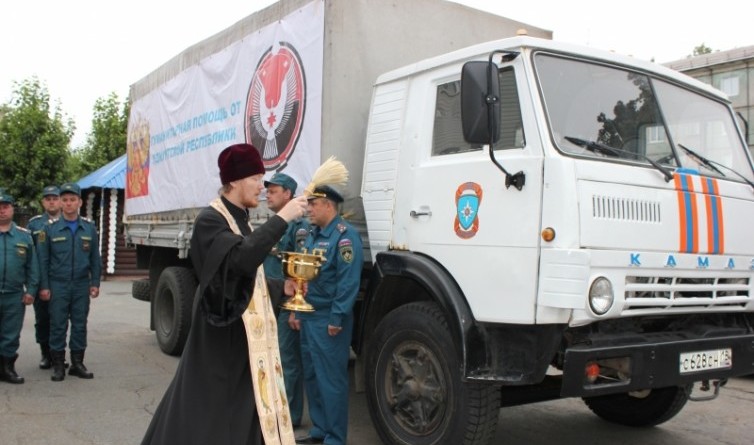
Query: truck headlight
[601, 296]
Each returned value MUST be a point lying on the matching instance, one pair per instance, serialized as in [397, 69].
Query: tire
[643, 410]
[413, 383]
[173, 302]
[140, 289]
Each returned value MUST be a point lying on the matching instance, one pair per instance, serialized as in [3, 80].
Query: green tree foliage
[107, 141]
[34, 140]
[702, 49]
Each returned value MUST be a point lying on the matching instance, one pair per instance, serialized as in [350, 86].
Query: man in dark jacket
[51, 204]
[281, 188]
[19, 277]
[71, 266]
[211, 398]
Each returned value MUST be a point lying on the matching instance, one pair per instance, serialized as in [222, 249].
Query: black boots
[77, 366]
[8, 370]
[46, 361]
[58, 365]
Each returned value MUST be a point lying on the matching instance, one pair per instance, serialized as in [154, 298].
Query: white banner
[265, 89]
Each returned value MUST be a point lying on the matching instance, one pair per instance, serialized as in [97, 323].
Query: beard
[251, 202]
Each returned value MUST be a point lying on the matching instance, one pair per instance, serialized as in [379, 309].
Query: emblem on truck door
[275, 105]
[468, 200]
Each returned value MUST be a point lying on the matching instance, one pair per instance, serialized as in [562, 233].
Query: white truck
[542, 220]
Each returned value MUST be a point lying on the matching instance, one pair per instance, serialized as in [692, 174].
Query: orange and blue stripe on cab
[688, 214]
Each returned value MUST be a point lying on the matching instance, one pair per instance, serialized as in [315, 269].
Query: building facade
[730, 71]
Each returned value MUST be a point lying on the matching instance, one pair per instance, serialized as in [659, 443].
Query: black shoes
[305, 440]
[77, 366]
[58, 365]
[46, 361]
[8, 370]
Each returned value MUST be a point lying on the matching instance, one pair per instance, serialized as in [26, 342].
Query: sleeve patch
[346, 252]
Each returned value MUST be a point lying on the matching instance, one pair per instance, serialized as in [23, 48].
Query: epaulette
[23, 229]
[341, 227]
[35, 217]
[87, 220]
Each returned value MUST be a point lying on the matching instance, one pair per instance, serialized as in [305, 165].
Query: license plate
[691, 362]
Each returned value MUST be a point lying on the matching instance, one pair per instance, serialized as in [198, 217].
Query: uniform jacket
[67, 256]
[337, 285]
[19, 269]
[37, 223]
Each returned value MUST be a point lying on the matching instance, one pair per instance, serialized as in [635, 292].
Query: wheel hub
[415, 386]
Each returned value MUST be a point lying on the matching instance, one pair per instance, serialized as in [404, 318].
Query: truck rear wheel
[173, 300]
[413, 383]
[641, 408]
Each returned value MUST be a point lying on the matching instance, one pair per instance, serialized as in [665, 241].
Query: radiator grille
[644, 292]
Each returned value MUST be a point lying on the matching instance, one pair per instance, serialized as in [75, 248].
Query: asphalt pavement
[131, 375]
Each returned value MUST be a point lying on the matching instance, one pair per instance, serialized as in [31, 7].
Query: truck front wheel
[640, 408]
[172, 306]
[413, 383]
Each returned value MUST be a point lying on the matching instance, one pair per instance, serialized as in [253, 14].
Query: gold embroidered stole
[264, 355]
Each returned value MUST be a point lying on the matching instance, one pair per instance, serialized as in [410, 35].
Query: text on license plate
[706, 360]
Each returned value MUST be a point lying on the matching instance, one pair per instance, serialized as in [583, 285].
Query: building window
[733, 83]
[729, 86]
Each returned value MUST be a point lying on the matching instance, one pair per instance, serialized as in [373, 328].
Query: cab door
[452, 203]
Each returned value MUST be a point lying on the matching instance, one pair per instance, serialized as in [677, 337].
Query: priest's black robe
[211, 399]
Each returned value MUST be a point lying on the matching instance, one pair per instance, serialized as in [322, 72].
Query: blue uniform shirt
[337, 285]
[292, 241]
[19, 269]
[69, 256]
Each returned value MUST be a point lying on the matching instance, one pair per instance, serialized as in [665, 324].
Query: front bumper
[655, 361]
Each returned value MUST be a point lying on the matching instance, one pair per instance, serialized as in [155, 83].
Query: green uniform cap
[282, 180]
[70, 187]
[4, 197]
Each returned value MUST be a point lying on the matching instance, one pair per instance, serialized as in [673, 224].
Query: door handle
[415, 214]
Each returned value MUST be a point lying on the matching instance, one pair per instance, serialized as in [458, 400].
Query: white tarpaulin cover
[265, 89]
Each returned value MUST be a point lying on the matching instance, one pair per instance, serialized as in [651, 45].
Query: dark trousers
[42, 321]
[69, 302]
[12, 312]
[326, 376]
[293, 368]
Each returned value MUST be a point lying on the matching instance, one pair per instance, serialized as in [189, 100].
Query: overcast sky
[84, 50]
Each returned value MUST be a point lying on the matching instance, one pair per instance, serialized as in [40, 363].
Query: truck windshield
[636, 114]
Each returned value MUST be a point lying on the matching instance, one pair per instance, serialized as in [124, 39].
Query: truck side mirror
[480, 102]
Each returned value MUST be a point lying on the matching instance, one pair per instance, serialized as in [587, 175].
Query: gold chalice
[302, 267]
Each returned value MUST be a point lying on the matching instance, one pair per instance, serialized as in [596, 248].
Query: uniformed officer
[19, 279]
[281, 188]
[326, 332]
[71, 266]
[51, 205]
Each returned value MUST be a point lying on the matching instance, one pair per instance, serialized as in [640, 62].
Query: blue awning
[109, 176]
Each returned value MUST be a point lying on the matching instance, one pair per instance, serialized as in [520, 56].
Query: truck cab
[551, 221]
